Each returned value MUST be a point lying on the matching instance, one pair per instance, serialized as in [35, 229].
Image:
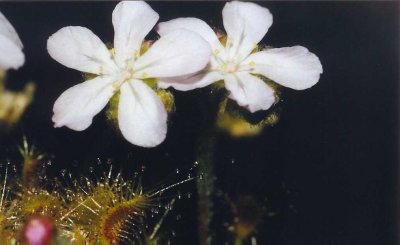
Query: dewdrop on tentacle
[109, 210]
[31, 164]
[8, 207]
[91, 210]
[34, 199]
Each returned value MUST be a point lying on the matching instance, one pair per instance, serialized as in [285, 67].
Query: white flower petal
[7, 30]
[249, 91]
[79, 48]
[243, 19]
[192, 24]
[132, 21]
[11, 55]
[178, 53]
[77, 106]
[190, 82]
[142, 117]
[293, 67]
[246, 24]
[237, 51]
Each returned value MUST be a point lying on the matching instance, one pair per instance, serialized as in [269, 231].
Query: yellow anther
[135, 53]
[216, 51]
[115, 85]
[255, 45]
[224, 67]
[112, 51]
[251, 63]
[144, 75]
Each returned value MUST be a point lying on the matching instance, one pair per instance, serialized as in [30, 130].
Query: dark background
[328, 169]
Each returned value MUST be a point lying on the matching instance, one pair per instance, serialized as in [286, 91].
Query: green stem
[205, 159]
[205, 186]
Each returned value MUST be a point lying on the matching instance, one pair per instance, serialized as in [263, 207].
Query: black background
[328, 169]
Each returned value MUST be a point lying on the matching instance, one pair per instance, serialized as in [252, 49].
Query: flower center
[126, 75]
[230, 67]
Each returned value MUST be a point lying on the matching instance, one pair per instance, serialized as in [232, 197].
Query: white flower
[245, 24]
[11, 55]
[142, 117]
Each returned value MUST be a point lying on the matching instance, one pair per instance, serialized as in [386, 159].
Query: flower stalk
[205, 158]
[205, 186]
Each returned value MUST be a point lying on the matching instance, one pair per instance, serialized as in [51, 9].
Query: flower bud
[238, 122]
[14, 104]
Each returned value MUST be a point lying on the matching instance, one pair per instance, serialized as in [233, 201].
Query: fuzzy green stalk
[205, 186]
[205, 159]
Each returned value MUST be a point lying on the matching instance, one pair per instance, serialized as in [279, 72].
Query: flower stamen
[144, 75]
[255, 46]
[135, 54]
[116, 85]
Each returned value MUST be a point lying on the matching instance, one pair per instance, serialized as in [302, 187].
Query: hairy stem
[205, 158]
[205, 186]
